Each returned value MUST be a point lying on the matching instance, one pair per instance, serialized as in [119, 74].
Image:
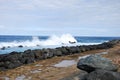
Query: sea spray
[21, 43]
[52, 40]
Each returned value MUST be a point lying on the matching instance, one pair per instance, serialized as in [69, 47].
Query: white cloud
[59, 13]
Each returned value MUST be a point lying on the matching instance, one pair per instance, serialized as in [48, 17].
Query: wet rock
[94, 62]
[3, 48]
[20, 46]
[102, 75]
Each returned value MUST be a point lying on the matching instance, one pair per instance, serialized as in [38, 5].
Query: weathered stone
[82, 48]
[93, 62]
[57, 52]
[37, 54]
[63, 50]
[102, 75]
[74, 49]
[46, 53]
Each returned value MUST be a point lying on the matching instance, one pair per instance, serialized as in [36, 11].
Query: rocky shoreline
[98, 68]
[16, 59]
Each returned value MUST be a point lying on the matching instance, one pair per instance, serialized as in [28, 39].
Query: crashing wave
[52, 40]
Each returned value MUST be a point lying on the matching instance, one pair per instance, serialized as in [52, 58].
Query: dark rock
[28, 53]
[10, 65]
[3, 48]
[72, 42]
[9, 61]
[27, 57]
[93, 62]
[102, 75]
[38, 54]
[26, 60]
[2, 57]
[57, 52]
[64, 50]
[114, 41]
[20, 46]
[14, 53]
[73, 49]
[105, 45]
[13, 56]
[2, 69]
[1, 64]
[8, 47]
[47, 53]
[82, 48]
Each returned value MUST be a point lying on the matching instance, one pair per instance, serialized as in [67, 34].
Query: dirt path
[45, 69]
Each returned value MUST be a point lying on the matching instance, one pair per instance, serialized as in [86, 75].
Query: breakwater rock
[16, 59]
[98, 68]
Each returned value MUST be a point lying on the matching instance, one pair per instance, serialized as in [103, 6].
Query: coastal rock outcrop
[98, 68]
[15, 59]
[102, 75]
[94, 62]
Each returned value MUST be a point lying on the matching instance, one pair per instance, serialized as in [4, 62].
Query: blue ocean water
[11, 43]
[82, 39]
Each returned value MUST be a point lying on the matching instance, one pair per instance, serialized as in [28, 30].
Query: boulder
[47, 53]
[11, 65]
[82, 48]
[20, 46]
[74, 49]
[93, 62]
[57, 52]
[64, 51]
[102, 75]
[3, 48]
[37, 54]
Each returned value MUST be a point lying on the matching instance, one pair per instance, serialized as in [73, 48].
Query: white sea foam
[52, 40]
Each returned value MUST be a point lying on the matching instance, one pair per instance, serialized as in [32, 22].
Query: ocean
[21, 43]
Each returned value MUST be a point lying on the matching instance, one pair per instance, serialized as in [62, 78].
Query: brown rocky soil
[46, 71]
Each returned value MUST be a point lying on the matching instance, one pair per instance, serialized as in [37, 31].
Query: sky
[48, 17]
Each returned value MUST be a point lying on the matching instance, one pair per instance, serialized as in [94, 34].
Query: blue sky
[47, 17]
